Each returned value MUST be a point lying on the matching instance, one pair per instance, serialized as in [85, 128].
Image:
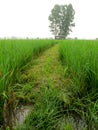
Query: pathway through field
[46, 69]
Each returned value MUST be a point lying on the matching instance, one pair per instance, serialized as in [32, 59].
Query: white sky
[29, 18]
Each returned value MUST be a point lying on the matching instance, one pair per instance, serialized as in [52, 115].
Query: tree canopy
[61, 20]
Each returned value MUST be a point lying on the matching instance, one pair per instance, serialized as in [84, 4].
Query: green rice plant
[14, 56]
[80, 57]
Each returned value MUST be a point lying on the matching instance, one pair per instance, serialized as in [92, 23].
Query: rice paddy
[14, 58]
[60, 81]
[79, 59]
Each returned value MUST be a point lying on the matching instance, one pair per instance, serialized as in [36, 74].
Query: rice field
[80, 62]
[67, 98]
[14, 58]
[80, 58]
[15, 54]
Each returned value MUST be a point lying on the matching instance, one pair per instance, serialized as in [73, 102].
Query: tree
[61, 20]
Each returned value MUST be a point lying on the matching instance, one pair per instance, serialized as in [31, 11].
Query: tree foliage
[61, 20]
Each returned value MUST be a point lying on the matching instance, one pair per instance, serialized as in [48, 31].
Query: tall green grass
[14, 56]
[80, 62]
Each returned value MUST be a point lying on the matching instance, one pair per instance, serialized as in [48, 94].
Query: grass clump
[47, 111]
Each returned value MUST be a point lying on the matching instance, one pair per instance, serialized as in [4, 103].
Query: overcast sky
[29, 18]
